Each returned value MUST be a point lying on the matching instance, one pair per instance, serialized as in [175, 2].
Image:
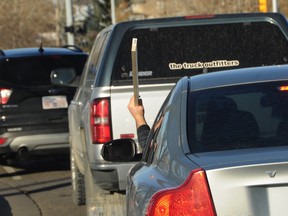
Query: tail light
[283, 88]
[207, 16]
[5, 95]
[2, 140]
[100, 121]
[191, 198]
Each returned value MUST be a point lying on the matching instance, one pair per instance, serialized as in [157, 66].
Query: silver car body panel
[40, 142]
[242, 182]
[169, 161]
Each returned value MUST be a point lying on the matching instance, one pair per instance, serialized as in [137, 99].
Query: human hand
[137, 112]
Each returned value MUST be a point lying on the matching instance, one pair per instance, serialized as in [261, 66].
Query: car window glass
[94, 59]
[36, 70]
[174, 52]
[238, 118]
[152, 142]
[157, 132]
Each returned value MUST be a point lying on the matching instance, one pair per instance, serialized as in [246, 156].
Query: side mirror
[64, 77]
[120, 150]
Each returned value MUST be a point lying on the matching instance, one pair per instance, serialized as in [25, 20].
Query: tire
[78, 183]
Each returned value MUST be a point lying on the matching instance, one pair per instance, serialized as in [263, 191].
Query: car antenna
[41, 50]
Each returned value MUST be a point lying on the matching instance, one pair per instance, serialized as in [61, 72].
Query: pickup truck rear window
[168, 53]
[238, 117]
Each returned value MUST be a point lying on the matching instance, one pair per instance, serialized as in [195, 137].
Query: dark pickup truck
[168, 48]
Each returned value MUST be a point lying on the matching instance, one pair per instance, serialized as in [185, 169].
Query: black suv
[33, 112]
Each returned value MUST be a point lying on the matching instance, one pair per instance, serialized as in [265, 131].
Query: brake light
[100, 121]
[191, 198]
[2, 140]
[283, 88]
[5, 95]
[200, 16]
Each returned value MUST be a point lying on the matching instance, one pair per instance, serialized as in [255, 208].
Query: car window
[157, 133]
[94, 60]
[36, 70]
[173, 52]
[153, 140]
[238, 117]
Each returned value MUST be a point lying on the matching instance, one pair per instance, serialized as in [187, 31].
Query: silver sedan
[221, 148]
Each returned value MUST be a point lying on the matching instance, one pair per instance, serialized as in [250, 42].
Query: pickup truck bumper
[112, 176]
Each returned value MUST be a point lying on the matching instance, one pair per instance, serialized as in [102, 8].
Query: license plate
[54, 102]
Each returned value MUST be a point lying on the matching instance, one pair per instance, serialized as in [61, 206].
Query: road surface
[43, 188]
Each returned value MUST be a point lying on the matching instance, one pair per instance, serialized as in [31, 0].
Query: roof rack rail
[73, 47]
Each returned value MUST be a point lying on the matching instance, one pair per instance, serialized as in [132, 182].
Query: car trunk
[257, 189]
[29, 103]
[36, 109]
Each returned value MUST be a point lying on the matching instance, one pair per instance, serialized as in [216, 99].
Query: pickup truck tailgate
[123, 124]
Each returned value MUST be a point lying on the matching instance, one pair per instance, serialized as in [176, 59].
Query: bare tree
[22, 21]
[283, 7]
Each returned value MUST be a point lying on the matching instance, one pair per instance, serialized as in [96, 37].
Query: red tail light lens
[100, 121]
[200, 16]
[5, 95]
[191, 198]
[2, 140]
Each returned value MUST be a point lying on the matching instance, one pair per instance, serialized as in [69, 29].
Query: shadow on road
[36, 165]
[39, 186]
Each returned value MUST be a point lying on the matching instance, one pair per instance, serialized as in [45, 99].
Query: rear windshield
[36, 70]
[173, 52]
[239, 117]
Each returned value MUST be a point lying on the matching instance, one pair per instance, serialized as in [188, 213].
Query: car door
[144, 179]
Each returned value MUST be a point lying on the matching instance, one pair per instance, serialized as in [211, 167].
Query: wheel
[78, 183]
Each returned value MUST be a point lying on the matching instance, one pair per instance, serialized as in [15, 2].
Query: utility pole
[69, 29]
[113, 14]
[57, 18]
[274, 6]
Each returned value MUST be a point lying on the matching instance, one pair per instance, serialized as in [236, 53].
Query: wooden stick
[134, 56]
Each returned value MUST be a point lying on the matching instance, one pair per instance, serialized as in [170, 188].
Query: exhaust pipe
[22, 152]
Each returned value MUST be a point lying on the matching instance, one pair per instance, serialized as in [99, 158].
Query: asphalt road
[43, 188]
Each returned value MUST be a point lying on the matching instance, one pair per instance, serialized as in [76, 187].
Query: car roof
[238, 77]
[200, 20]
[114, 34]
[36, 51]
